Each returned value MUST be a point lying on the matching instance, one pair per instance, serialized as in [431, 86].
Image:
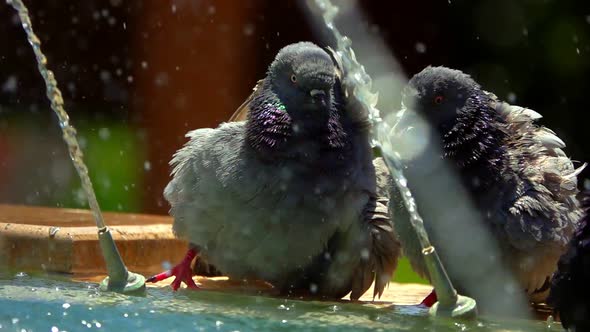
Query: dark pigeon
[521, 183]
[570, 286]
[288, 195]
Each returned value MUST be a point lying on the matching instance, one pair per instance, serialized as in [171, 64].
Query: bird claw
[188, 280]
[429, 300]
[182, 272]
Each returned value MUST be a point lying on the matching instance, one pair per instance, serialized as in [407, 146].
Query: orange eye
[438, 99]
[293, 78]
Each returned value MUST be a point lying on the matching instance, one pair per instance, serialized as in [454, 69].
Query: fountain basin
[65, 240]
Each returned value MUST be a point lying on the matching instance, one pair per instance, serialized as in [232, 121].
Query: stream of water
[57, 105]
[358, 78]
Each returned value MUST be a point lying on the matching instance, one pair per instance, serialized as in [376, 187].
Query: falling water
[57, 104]
[361, 82]
[119, 279]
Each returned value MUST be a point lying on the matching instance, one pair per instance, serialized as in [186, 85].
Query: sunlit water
[358, 78]
[45, 304]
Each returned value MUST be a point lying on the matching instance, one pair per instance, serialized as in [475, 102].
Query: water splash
[361, 83]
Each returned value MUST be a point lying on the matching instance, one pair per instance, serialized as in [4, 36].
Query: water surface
[55, 304]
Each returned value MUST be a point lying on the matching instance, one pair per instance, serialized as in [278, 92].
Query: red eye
[438, 99]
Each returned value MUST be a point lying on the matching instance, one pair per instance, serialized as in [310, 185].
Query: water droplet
[577, 50]
[144, 64]
[10, 85]
[420, 47]
[104, 133]
[147, 165]
[313, 288]
[403, 182]
[65, 305]
[54, 329]
[161, 79]
[248, 29]
[511, 97]
[173, 9]
[575, 39]
[105, 76]
[364, 254]
[550, 321]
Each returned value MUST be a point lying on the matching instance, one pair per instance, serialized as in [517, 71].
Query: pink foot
[430, 300]
[182, 272]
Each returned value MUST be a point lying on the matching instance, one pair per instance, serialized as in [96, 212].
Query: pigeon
[570, 290]
[514, 172]
[288, 195]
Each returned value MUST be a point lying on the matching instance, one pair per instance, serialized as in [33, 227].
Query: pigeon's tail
[380, 259]
[570, 291]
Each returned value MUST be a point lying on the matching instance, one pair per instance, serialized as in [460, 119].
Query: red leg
[182, 272]
[430, 300]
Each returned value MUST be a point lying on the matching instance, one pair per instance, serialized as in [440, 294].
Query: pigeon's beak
[319, 96]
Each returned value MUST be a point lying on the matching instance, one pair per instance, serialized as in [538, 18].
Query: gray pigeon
[288, 195]
[521, 183]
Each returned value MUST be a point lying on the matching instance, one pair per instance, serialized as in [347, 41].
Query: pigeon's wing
[380, 257]
[202, 179]
[545, 202]
[541, 212]
[241, 114]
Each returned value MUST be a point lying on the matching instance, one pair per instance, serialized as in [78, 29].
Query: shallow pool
[50, 304]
